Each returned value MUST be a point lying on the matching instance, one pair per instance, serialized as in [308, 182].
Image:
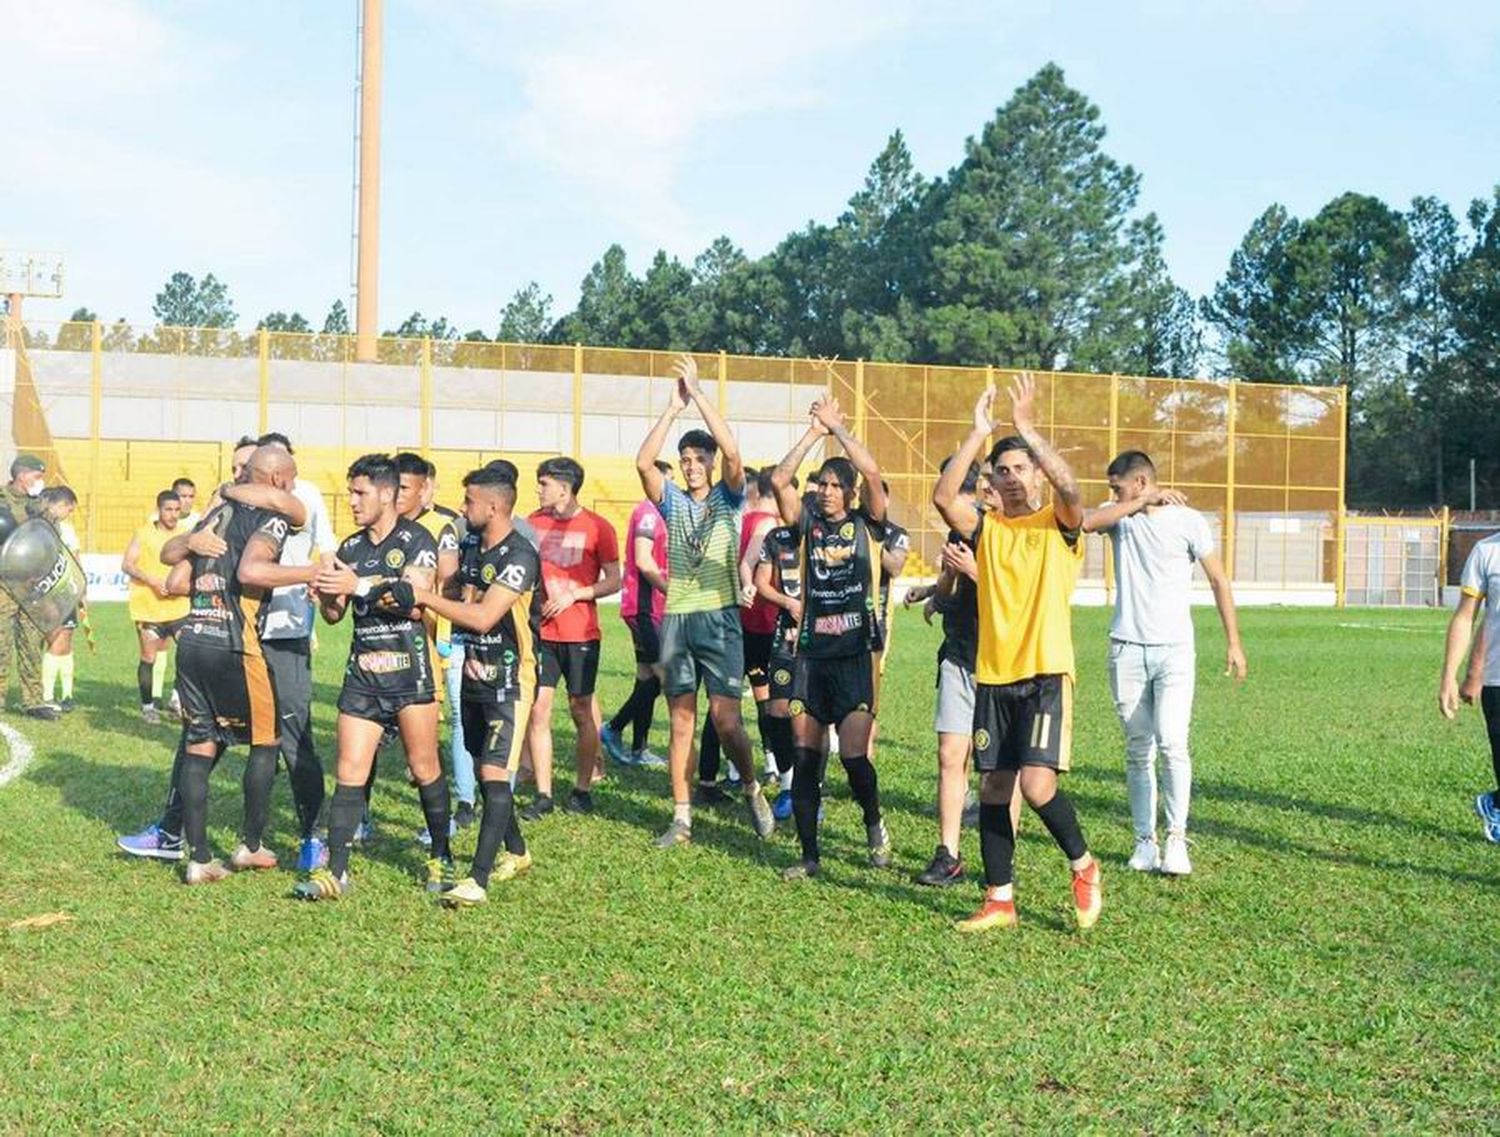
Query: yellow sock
[65, 670]
[158, 675]
[50, 668]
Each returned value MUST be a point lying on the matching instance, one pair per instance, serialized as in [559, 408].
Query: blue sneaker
[152, 842]
[314, 855]
[782, 810]
[1489, 816]
[424, 838]
[614, 746]
[365, 833]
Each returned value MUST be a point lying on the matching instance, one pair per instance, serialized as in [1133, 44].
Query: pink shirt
[636, 592]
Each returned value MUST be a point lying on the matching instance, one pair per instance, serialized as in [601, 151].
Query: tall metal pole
[367, 281]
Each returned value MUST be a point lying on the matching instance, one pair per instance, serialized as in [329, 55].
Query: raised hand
[814, 423]
[1022, 402]
[984, 409]
[686, 370]
[827, 412]
[1169, 497]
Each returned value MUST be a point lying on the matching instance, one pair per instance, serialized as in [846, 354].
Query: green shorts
[703, 645]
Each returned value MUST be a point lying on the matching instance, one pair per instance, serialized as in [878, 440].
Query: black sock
[782, 744]
[260, 776]
[1489, 702]
[344, 812]
[807, 794]
[864, 785]
[143, 681]
[498, 814]
[997, 843]
[171, 810]
[435, 805]
[514, 842]
[195, 771]
[1061, 821]
[370, 781]
[626, 713]
[764, 725]
[708, 753]
[306, 776]
[640, 729]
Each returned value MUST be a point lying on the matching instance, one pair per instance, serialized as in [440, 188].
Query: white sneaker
[1147, 857]
[650, 760]
[1174, 861]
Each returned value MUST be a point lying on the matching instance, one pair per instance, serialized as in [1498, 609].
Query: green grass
[1332, 964]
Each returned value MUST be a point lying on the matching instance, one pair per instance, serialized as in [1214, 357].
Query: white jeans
[1152, 686]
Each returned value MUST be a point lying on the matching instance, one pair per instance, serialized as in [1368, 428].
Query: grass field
[1331, 965]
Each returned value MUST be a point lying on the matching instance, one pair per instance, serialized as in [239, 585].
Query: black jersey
[841, 581]
[443, 525]
[506, 655]
[783, 552]
[223, 613]
[388, 654]
[960, 612]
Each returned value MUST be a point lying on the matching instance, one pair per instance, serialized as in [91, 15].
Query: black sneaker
[47, 711]
[944, 869]
[580, 801]
[538, 809]
[707, 793]
[463, 816]
[67, 706]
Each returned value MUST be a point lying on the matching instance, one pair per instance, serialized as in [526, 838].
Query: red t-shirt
[760, 617]
[573, 550]
[636, 591]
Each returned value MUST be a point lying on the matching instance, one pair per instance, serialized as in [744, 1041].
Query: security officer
[17, 633]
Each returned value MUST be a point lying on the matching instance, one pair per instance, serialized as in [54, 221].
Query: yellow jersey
[145, 605]
[1027, 570]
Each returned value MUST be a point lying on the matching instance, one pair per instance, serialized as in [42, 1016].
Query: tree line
[1032, 252]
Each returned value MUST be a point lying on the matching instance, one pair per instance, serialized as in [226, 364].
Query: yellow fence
[129, 409]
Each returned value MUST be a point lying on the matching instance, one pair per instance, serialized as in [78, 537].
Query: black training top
[841, 577]
[506, 655]
[388, 654]
[222, 613]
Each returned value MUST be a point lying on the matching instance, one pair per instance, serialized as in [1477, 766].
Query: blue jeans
[461, 761]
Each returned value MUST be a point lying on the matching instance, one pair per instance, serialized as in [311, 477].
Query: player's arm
[273, 499]
[201, 542]
[1068, 506]
[130, 564]
[947, 495]
[652, 479]
[686, 370]
[768, 591]
[645, 563]
[1460, 631]
[751, 558]
[1473, 682]
[180, 579]
[788, 500]
[892, 561]
[334, 584]
[1218, 580]
[472, 616]
[828, 412]
[258, 566]
[1110, 515]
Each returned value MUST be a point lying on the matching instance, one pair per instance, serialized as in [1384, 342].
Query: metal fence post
[1229, 475]
[96, 425]
[577, 398]
[1339, 552]
[426, 394]
[265, 380]
[723, 393]
[860, 416]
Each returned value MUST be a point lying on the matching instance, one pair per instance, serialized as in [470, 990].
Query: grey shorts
[703, 645]
[955, 699]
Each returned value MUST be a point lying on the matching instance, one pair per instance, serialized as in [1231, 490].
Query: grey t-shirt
[1154, 553]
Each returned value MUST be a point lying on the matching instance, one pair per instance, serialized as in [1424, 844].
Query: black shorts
[758, 647]
[1029, 723]
[646, 637]
[383, 709]
[227, 697]
[491, 734]
[781, 671]
[830, 690]
[577, 663]
[162, 629]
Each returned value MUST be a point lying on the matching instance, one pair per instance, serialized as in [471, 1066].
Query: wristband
[362, 587]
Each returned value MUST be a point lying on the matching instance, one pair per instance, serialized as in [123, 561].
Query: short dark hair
[380, 469]
[1008, 443]
[180, 482]
[1130, 462]
[59, 495]
[698, 440]
[763, 485]
[840, 468]
[246, 440]
[496, 477]
[970, 484]
[562, 469]
[166, 496]
[410, 462]
[275, 438]
[503, 468]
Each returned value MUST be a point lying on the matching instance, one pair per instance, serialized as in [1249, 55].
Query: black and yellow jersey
[505, 657]
[840, 586]
[222, 613]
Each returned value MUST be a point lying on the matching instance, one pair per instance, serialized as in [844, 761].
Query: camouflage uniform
[17, 632]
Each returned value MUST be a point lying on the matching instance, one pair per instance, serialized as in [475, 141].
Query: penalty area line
[21, 754]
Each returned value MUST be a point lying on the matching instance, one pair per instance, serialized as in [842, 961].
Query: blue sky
[524, 136]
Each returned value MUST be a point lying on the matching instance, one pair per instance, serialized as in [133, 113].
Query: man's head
[1016, 477]
[245, 447]
[186, 493]
[696, 451]
[834, 484]
[373, 484]
[168, 509]
[275, 438]
[558, 481]
[271, 465]
[429, 490]
[489, 494]
[27, 473]
[764, 488]
[1132, 475]
[58, 502]
[412, 469]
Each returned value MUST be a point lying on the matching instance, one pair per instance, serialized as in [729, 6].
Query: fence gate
[1393, 562]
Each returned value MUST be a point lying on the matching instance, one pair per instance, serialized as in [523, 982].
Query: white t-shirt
[1481, 580]
[1154, 553]
[289, 615]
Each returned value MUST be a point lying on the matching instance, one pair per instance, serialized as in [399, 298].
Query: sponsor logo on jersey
[383, 662]
[838, 623]
[395, 559]
[513, 576]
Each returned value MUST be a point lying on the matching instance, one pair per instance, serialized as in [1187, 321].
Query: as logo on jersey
[513, 576]
[395, 559]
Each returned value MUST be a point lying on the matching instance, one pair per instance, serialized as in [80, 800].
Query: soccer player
[1155, 540]
[778, 581]
[187, 495]
[643, 598]
[58, 503]
[496, 583]
[700, 632]
[388, 679]
[156, 612]
[840, 632]
[1028, 555]
[1478, 585]
[227, 694]
[580, 567]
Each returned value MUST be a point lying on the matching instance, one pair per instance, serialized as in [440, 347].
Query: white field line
[1390, 628]
[21, 753]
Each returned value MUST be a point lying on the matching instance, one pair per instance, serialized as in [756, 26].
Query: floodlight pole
[367, 280]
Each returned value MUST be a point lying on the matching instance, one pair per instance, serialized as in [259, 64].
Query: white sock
[786, 781]
[683, 812]
[1000, 892]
